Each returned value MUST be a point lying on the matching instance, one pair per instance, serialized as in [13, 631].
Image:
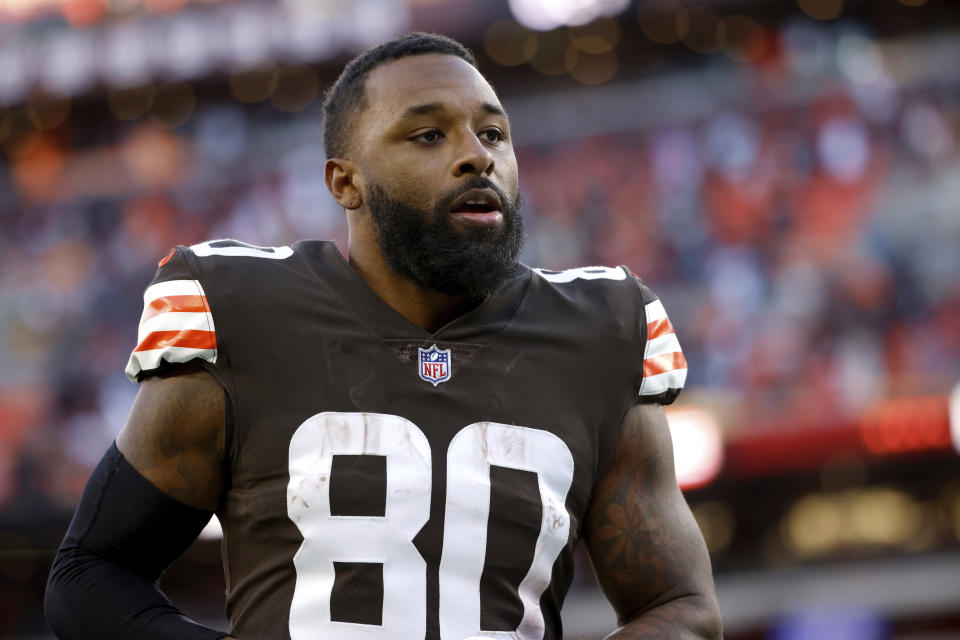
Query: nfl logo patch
[435, 365]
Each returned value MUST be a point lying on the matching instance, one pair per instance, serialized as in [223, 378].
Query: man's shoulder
[229, 264]
[204, 293]
[596, 303]
[232, 254]
[613, 287]
[620, 309]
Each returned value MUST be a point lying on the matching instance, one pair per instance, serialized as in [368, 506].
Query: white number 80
[389, 539]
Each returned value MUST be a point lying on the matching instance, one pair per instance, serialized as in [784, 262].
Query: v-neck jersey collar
[478, 325]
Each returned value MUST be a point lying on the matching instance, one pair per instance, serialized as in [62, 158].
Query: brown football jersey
[389, 482]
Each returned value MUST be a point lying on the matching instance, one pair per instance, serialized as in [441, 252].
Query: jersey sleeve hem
[176, 325]
[663, 372]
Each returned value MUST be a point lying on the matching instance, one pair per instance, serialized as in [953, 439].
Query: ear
[341, 178]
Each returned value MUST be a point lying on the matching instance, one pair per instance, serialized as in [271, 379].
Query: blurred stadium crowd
[807, 249]
[808, 253]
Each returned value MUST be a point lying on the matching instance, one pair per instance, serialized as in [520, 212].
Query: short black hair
[347, 96]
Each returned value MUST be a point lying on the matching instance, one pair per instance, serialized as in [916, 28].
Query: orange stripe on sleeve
[663, 363]
[659, 328]
[166, 258]
[174, 303]
[190, 338]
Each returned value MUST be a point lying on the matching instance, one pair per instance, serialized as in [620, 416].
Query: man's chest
[432, 410]
[462, 499]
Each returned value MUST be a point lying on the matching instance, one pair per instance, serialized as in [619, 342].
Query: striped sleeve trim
[176, 326]
[664, 367]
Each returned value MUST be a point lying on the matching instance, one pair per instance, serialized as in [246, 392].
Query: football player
[406, 444]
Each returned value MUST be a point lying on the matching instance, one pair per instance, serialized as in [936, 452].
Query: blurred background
[784, 174]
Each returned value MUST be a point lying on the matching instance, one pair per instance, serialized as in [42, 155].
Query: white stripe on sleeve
[662, 382]
[176, 321]
[655, 311]
[146, 360]
[172, 288]
[662, 345]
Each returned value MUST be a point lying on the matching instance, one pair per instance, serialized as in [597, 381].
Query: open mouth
[475, 207]
[477, 201]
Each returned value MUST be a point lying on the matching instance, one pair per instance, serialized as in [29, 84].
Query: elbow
[53, 610]
[691, 617]
[69, 600]
[55, 606]
[711, 623]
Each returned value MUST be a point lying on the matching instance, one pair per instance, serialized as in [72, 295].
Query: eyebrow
[430, 107]
[494, 109]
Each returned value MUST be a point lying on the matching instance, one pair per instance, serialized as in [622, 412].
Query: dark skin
[431, 123]
[647, 551]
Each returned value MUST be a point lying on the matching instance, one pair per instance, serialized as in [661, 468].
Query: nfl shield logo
[434, 365]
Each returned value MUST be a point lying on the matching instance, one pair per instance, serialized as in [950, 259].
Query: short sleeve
[176, 324]
[664, 369]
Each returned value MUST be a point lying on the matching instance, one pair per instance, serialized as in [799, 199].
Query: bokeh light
[37, 169]
[174, 104]
[554, 53]
[813, 526]
[821, 9]
[83, 13]
[954, 409]
[153, 156]
[297, 88]
[741, 38]
[131, 104]
[717, 523]
[254, 85]
[164, 6]
[48, 112]
[826, 524]
[599, 36]
[508, 43]
[806, 49]
[593, 68]
[664, 21]
[544, 15]
[6, 125]
[697, 446]
[702, 30]
[20, 138]
[860, 59]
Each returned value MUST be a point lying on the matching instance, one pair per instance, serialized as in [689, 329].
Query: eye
[429, 136]
[492, 136]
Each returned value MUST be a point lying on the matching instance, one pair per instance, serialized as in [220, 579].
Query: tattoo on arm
[647, 551]
[174, 436]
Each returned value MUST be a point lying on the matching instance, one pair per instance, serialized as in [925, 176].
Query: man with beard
[408, 444]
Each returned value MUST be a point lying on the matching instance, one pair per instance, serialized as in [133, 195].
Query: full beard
[427, 249]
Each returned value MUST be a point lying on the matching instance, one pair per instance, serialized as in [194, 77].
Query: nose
[473, 158]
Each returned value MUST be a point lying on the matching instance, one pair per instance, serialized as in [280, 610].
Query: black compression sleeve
[125, 532]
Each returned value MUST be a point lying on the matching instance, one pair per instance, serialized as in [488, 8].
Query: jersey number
[237, 248]
[388, 539]
[583, 273]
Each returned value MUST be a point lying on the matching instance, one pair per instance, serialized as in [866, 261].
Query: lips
[477, 201]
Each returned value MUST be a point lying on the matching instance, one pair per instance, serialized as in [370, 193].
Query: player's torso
[378, 492]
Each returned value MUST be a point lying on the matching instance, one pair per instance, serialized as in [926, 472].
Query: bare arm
[647, 551]
[175, 435]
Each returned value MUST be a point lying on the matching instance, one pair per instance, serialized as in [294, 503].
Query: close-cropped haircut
[347, 97]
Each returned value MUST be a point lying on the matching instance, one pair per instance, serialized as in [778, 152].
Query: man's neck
[428, 309]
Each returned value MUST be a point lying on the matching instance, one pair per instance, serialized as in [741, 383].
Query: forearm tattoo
[646, 547]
